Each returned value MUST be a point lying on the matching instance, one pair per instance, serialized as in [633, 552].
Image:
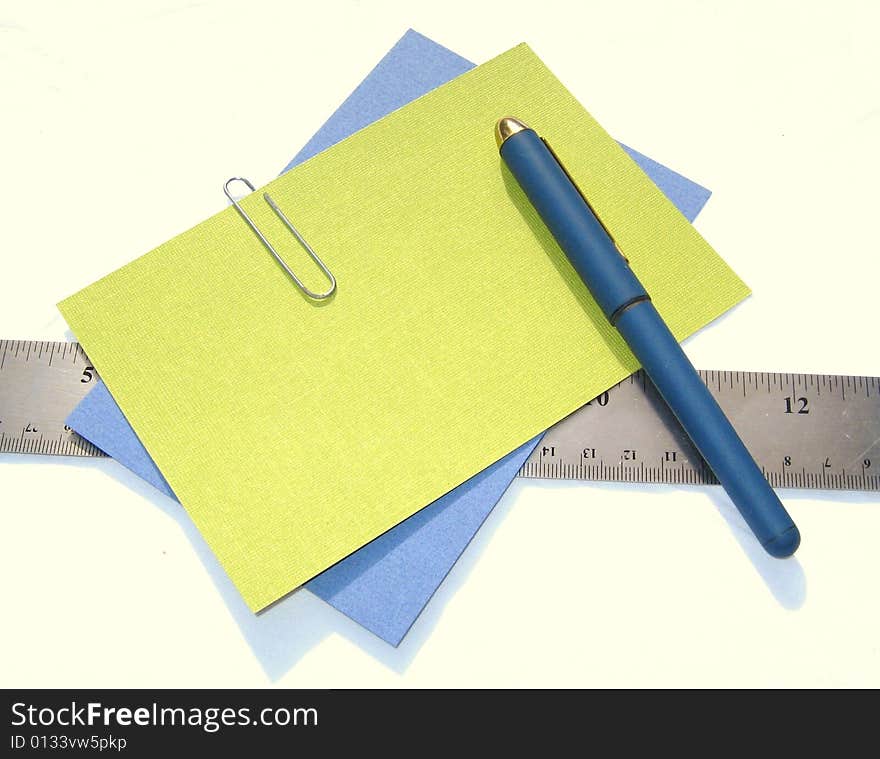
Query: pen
[605, 271]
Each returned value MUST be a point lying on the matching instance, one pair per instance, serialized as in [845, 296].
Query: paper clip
[280, 214]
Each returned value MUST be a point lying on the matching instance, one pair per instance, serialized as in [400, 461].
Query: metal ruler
[805, 430]
[40, 384]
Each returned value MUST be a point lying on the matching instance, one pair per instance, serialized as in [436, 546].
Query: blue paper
[386, 584]
[687, 196]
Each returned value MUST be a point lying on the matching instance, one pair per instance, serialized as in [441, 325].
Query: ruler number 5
[803, 405]
[87, 374]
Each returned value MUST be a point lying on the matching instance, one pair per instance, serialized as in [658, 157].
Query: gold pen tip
[507, 127]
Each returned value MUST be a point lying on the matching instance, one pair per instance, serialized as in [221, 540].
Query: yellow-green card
[296, 432]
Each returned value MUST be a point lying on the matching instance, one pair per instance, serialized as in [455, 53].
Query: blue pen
[622, 298]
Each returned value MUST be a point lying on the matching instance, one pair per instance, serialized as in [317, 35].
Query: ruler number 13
[796, 405]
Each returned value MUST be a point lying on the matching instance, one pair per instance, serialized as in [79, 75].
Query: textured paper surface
[295, 433]
[386, 584]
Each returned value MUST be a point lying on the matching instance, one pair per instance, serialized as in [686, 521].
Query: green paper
[296, 432]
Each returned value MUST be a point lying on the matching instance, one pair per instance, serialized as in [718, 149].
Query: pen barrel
[572, 223]
[696, 409]
[603, 269]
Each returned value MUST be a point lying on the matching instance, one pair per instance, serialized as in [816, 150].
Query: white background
[121, 120]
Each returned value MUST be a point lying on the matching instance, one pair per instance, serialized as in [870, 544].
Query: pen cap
[571, 221]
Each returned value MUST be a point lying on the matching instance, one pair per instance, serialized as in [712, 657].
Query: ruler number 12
[801, 406]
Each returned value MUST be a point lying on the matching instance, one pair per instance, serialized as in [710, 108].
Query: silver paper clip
[280, 214]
